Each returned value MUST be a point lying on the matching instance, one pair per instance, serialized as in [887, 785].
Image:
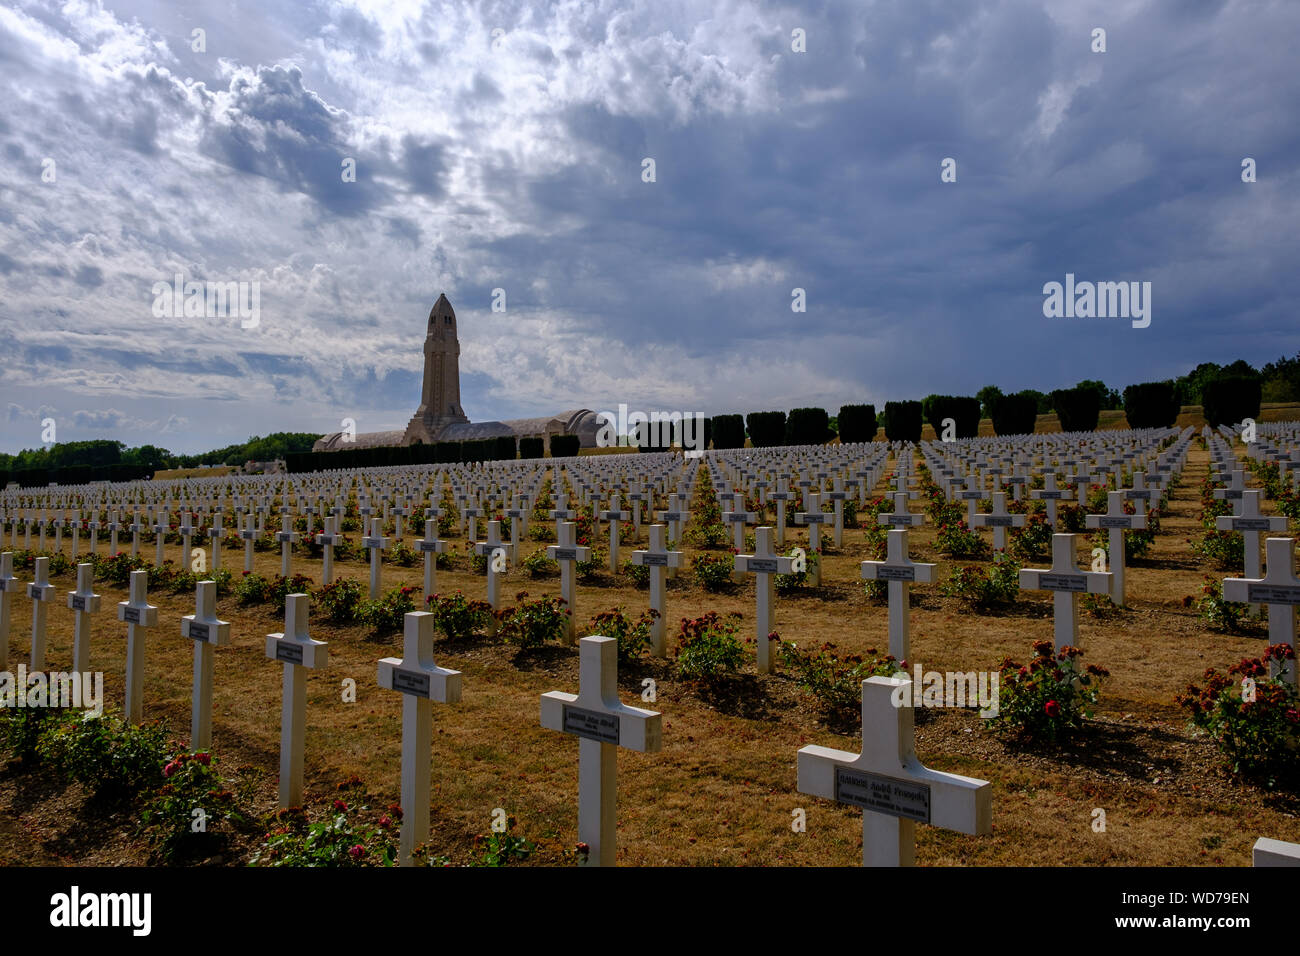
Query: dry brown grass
[723, 788]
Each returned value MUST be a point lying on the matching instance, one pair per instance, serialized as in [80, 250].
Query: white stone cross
[518, 516]
[837, 494]
[249, 534]
[297, 650]
[893, 788]
[738, 518]
[561, 512]
[1141, 493]
[499, 555]
[566, 553]
[1279, 589]
[41, 592]
[1236, 485]
[138, 614]
[159, 529]
[658, 559]
[1249, 521]
[614, 515]
[999, 520]
[1116, 522]
[430, 546]
[377, 543]
[83, 602]
[1066, 582]
[287, 537]
[763, 564]
[603, 724]
[1051, 494]
[676, 516]
[187, 532]
[471, 513]
[901, 572]
[902, 516]
[780, 497]
[135, 529]
[216, 534]
[207, 632]
[814, 518]
[971, 494]
[421, 682]
[8, 585]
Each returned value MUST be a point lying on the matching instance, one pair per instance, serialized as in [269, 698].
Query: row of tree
[1227, 394]
[500, 448]
[151, 458]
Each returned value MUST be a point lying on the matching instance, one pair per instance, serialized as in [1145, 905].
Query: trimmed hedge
[1228, 400]
[1015, 414]
[857, 423]
[1077, 408]
[963, 410]
[532, 447]
[808, 426]
[505, 448]
[565, 446]
[728, 431]
[1151, 405]
[903, 421]
[766, 429]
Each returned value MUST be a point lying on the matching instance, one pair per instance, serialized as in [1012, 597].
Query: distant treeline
[1226, 393]
[77, 462]
[501, 448]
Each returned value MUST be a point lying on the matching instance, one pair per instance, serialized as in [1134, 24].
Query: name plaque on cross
[76, 602]
[131, 615]
[872, 791]
[654, 560]
[1062, 582]
[762, 565]
[1251, 524]
[1273, 594]
[1106, 522]
[411, 682]
[428, 547]
[886, 573]
[565, 554]
[288, 652]
[591, 724]
[197, 631]
[999, 521]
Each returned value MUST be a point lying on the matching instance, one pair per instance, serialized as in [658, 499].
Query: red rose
[204, 759]
[357, 852]
[1052, 708]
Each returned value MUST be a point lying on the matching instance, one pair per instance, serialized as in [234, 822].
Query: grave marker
[207, 632]
[893, 788]
[139, 615]
[298, 651]
[603, 724]
[421, 682]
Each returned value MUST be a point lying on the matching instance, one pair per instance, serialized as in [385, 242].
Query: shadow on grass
[738, 695]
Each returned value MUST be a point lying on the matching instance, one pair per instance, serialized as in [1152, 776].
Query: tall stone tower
[440, 398]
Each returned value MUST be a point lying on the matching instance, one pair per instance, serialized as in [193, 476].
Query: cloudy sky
[501, 145]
